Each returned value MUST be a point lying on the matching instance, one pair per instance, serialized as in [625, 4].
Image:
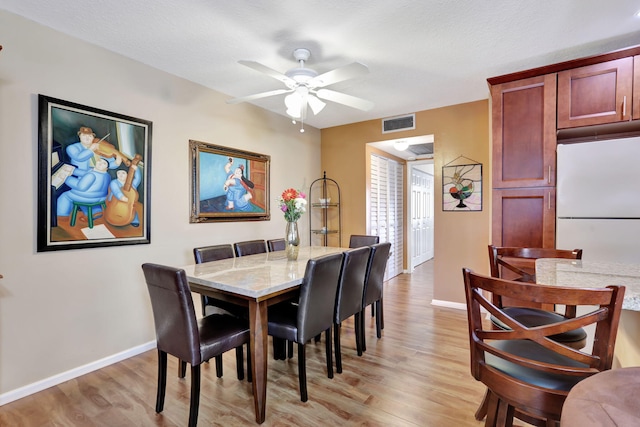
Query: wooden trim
[567, 65]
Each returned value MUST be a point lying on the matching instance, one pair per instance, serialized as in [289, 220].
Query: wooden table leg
[259, 350]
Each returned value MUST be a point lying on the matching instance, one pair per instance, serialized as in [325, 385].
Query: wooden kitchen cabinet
[524, 155]
[524, 217]
[524, 132]
[596, 94]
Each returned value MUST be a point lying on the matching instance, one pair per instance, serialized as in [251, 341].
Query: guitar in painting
[122, 198]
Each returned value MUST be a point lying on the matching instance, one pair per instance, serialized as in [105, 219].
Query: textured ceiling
[421, 54]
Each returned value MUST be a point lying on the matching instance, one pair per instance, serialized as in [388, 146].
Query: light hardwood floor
[416, 375]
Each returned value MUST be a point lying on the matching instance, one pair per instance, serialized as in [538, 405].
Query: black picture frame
[228, 184]
[80, 204]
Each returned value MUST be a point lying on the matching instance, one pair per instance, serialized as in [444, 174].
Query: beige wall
[461, 238]
[60, 311]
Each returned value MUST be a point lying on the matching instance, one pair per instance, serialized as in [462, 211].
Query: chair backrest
[250, 247]
[359, 240]
[498, 357]
[276, 245]
[318, 296]
[351, 283]
[212, 253]
[513, 263]
[376, 266]
[173, 312]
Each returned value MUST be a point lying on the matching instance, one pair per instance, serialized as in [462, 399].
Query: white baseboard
[449, 304]
[33, 388]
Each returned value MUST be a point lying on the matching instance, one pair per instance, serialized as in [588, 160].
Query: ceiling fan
[307, 88]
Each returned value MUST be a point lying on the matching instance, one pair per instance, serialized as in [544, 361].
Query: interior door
[421, 216]
[386, 209]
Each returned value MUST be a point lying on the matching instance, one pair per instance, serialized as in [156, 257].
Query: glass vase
[292, 240]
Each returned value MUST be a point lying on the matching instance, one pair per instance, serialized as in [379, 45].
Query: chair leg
[329, 353]
[363, 339]
[380, 311]
[279, 348]
[290, 349]
[357, 327]
[373, 310]
[195, 396]
[162, 380]
[182, 368]
[219, 366]
[482, 409]
[302, 372]
[492, 409]
[336, 344]
[249, 373]
[505, 414]
[240, 362]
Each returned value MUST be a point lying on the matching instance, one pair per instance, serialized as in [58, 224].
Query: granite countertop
[588, 274]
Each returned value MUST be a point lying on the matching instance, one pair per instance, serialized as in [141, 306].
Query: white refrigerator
[598, 199]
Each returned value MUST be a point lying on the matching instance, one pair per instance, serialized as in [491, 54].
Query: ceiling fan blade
[268, 71]
[343, 98]
[258, 96]
[347, 72]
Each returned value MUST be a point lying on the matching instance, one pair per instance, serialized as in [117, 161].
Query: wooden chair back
[527, 373]
[518, 264]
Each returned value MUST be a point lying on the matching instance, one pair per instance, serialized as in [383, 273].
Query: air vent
[396, 124]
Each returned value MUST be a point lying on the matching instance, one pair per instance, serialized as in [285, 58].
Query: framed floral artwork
[462, 187]
[228, 184]
[94, 177]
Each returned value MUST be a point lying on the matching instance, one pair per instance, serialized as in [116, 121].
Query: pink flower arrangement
[293, 203]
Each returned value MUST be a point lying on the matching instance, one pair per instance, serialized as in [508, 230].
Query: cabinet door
[595, 94]
[524, 132]
[524, 217]
[636, 88]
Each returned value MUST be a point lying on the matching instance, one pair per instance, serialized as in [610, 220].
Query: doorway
[420, 212]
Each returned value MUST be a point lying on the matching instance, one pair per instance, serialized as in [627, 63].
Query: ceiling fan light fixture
[293, 102]
[315, 104]
[400, 145]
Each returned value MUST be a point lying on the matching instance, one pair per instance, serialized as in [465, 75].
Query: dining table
[599, 274]
[255, 281]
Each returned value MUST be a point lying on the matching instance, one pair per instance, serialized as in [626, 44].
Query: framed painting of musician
[94, 177]
[228, 184]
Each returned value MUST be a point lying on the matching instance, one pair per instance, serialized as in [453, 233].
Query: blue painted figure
[92, 187]
[83, 153]
[116, 188]
[238, 195]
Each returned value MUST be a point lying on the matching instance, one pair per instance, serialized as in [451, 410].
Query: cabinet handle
[549, 176]
[624, 107]
[549, 201]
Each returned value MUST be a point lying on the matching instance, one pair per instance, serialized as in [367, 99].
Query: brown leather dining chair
[518, 264]
[528, 374]
[359, 240]
[373, 287]
[250, 247]
[349, 297]
[211, 305]
[276, 245]
[180, 334]
[312, 315]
